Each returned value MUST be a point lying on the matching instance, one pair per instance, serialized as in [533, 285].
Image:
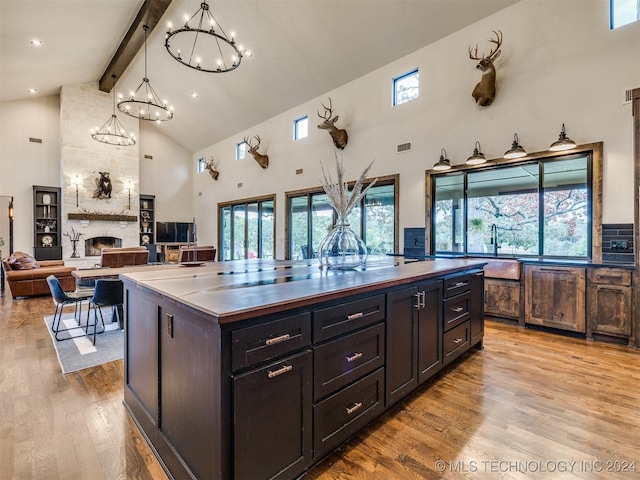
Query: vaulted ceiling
[301, 50]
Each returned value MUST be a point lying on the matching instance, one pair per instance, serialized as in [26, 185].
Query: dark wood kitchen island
[258, 369]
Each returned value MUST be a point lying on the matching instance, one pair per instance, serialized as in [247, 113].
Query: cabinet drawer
[456, 342]
[332, 321]
[341, 415]
[341, 361]
[259, 343]
[609, 276]
[456, 310]
[455, 285]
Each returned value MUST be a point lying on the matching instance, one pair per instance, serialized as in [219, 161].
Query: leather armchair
[123, 257]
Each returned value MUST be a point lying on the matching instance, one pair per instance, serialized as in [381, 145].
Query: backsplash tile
[617, 242]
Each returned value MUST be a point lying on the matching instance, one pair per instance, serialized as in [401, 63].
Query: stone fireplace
[100, 221]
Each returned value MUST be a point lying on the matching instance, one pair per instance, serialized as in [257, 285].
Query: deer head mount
[338, 135]
[210, 164]
[263, 160]
[485, 90]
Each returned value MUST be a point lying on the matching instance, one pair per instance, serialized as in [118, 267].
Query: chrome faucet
[494, 239]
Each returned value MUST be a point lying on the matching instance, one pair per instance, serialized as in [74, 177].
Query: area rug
[79, 353]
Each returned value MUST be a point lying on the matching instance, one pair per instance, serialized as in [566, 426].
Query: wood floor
[530, 405]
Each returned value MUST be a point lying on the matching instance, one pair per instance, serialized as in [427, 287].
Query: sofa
[200, 254]
[27, 277]
[116, 257]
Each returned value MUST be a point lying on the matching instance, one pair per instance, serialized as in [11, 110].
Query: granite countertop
[553, 261]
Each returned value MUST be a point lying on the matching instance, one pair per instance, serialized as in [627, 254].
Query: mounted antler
[263, 160]
[210, 164]
[485, 90]
[338, 135]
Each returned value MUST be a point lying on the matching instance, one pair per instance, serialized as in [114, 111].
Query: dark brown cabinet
[272, 419]
[502, 298]
[476, 322]
[555, 297]
[414, 338]
[609, 302]
[47, 238]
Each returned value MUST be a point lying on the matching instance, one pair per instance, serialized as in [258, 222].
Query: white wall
[559, 63]
[23, 163]
[168, 175]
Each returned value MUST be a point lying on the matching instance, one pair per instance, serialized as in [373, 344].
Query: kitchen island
[260, 368]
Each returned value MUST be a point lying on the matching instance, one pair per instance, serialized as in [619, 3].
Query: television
[174, 232]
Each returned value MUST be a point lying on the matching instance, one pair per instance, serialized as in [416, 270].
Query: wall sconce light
[563, 142]
[129, 186]
[443, 163]
[516, 150]
[478, 157]
[11, 209]
[76, 181]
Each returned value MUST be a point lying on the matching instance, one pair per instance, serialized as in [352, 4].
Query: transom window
[623, 12]
[406, 87]
[200, 167]
[311, 217]
[541, 208]
[300, 128]
[241, 150]
[247, 229]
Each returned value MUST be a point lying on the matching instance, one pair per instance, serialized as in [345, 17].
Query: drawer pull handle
[280, 371]
[460, 284]
[457, 340]
[353, 316]
[457, 309]
[281, 338]
[610, 277]
[554, 270]
[354, 357]
[355, 407]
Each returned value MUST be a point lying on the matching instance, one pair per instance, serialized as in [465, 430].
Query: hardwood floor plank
[529, 401]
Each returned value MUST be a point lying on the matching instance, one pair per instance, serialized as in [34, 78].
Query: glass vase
[342, 249]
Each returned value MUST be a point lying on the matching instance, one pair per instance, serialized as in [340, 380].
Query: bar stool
[61, 299]
[108, 293]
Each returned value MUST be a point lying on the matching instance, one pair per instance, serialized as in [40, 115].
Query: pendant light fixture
[443, 163]
[113, 132]
[205, 44]
[145, 103]
[516, 150]
[563, 142]
[478, 157]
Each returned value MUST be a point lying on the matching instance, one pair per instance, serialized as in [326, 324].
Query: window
[247, 229]
[301, 128]
[241, 150]
[311, 217]
[406, 87]
[200, 167]
[623, 12]
[541, 208]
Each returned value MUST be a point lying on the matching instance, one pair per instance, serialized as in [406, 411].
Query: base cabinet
[267, 397]
[272, 419]
[414, 338]
[609, 300]
[555, 297]
[502, 298]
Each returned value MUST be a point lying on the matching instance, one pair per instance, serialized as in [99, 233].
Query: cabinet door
[502, 298]
[477, 307]
[610, 309]
[430, 331]
[272, 419]
[188, 346]
[555, 297]
[402, 344]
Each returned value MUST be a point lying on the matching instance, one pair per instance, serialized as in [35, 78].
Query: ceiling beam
[150, 14]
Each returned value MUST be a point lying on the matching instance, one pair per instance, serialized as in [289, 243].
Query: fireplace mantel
[103, 217]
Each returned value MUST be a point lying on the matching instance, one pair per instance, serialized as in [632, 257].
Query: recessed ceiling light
[36, 42]
[194, 94]
[32, 90]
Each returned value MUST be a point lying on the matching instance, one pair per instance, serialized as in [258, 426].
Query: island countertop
[241, 289]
